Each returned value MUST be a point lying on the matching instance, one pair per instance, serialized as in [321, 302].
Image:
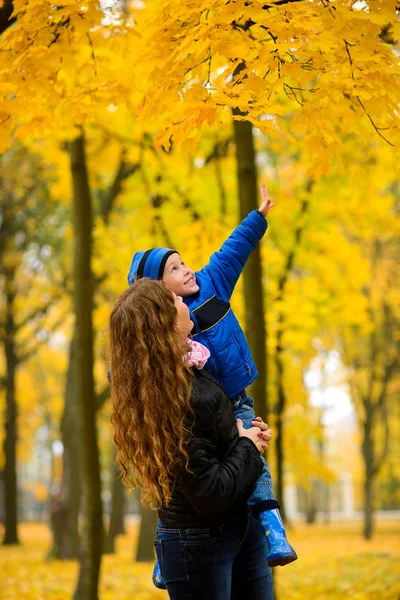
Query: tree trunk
[71, 457]
[368, 508]
[71, 463]
[279, 354]
[116, 526]
[311, 502]
[368, 456]
[148, 525]
[92, 531]
[280, 408]
[256, 331]
[59, 526]
[10, 440]
[221, 188]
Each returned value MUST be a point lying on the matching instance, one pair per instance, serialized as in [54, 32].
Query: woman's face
[183, 318]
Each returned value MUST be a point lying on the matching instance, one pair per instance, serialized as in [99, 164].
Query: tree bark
[279, 412]
[368, 507]
[148, 525]
[71, 457]
[375, 408]
[59, 526]
[256, 329]
[92, 531]
[71, 463]
[10, 440]
[368, 457]
[311, 502]
[221, 187]
[279, 355]
[116, 526]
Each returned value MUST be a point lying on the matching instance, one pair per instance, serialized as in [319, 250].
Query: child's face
[179, 278]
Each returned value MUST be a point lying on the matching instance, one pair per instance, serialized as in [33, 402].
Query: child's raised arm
[226, 265]
[266, 203]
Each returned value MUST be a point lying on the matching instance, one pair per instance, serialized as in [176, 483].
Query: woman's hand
[260, 434]
[266, 432]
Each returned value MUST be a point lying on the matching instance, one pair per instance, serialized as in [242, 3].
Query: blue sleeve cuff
[257, 222]
[261, 215]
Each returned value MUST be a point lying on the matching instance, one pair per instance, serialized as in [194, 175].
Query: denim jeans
[228, 562]
[242, 406]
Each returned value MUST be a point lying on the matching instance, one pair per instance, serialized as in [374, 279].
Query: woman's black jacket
[224, 467]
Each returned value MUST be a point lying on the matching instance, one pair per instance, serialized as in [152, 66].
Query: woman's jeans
[228, 562]
[242, 406]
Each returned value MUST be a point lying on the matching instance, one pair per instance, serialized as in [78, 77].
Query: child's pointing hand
[266, 203]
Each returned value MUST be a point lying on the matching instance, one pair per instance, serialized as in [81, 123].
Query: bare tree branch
[6, 11]
[24, 355]
[41, 310]
[296, 243]
[108, 197]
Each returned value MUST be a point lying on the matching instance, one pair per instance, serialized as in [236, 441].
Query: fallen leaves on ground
[334, 563]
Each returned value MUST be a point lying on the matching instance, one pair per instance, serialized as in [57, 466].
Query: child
[207, 294]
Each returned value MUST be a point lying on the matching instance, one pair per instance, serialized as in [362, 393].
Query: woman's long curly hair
[150, 390]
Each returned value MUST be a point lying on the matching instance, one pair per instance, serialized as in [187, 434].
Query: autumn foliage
[150, 91]
[327, 569]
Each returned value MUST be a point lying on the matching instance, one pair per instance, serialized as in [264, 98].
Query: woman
[176, 437]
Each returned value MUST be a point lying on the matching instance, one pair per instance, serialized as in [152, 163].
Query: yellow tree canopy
[63, 61]
[312, 69]
[319, 70]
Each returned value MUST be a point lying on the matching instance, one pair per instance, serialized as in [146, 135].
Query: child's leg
[262, 501]
[263, 490]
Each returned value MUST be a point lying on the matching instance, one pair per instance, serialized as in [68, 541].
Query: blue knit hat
[149, 263]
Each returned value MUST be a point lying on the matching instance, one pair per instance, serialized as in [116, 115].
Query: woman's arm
[213, 485]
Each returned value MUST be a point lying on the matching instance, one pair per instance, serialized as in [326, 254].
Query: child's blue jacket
[215, 325]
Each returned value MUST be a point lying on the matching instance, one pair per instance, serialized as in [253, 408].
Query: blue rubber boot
[280, 551]
[158, 579]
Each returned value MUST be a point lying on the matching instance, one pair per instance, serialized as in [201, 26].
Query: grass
[334, 563]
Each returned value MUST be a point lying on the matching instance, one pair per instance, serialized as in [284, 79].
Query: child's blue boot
[280, 551]
[158, 579]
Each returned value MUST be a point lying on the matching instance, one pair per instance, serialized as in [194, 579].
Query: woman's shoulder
[201, 378]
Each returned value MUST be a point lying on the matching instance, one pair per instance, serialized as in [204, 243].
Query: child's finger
[260, 423]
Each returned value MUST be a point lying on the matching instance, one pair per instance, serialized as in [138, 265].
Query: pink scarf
[198, 355]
